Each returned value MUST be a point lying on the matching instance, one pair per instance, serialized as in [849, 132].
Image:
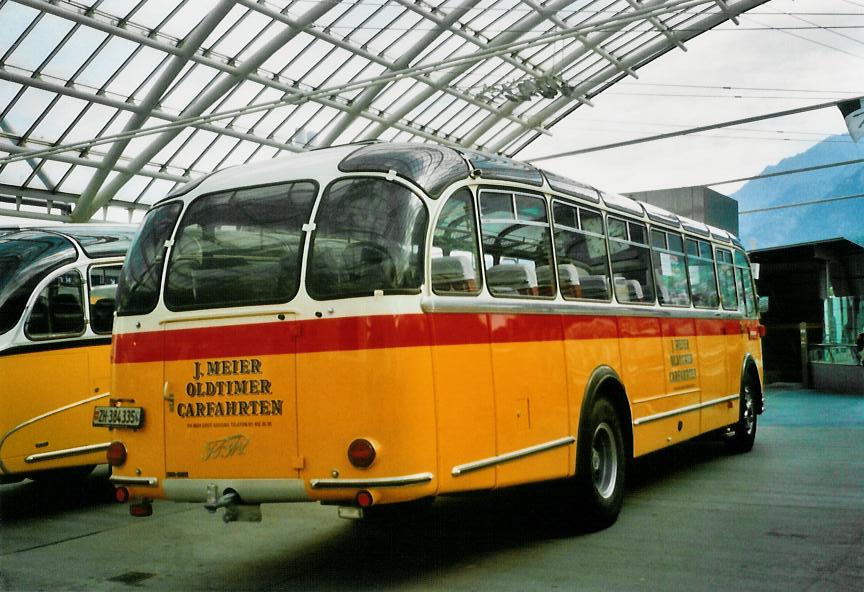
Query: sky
[768, 70]
[728, 73]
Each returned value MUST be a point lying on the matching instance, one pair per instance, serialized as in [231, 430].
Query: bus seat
[102, 315]
[571, 284]
[512, 278]
[594, 286]
[67, 315]
[453, 273]
[627, 290]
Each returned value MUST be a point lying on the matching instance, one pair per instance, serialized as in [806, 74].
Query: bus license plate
[118, 417]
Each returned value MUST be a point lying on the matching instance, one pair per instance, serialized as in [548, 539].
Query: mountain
[787, 226]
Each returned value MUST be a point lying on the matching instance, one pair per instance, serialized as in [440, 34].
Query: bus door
[230, 397]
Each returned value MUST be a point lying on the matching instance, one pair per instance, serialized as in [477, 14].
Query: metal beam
[36, 166]
[85, 210]
[645, 54]
[188, 47]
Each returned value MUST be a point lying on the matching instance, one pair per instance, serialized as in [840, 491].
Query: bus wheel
[601, 468]
[744, 432]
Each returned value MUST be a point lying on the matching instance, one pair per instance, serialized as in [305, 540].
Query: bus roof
[432, 168]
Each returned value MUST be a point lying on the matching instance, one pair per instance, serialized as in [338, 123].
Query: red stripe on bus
[393, 331]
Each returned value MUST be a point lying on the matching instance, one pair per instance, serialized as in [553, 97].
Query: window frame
[477, 240]
[646, 245]
[667, 250]
[37, 293]
[699, 242]
[90, 268]
[550, 245]
[580, 208]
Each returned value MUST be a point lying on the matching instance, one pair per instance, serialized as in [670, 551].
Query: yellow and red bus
[57, 289]
[374, 324]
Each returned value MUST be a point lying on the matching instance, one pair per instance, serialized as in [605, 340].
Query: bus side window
[583, 264]
[670, 268]
[58, 310]
[103, 288]
[516, 244]
[703, 282]
[455, 256]
[726, 279]
[631, 261]
[744, 279]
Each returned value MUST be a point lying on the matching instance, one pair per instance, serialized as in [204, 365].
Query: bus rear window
[369, 236]
[240, 248]
[138, 288]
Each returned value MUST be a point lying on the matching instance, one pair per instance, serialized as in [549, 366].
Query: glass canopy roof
[106, 106]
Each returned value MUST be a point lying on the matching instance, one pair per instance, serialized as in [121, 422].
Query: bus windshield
[369, 236]
[25, 258]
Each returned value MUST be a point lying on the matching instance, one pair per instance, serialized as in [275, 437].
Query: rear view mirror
[763, 304]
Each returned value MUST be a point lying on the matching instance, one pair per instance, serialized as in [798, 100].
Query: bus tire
[601, 467]
[743, 433]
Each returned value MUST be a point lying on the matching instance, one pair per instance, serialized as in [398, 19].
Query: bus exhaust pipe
[235, 510]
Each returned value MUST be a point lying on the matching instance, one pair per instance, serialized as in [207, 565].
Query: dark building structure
[698, 203]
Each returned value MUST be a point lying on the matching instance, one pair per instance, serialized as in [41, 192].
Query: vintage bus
[380, 323]
[57, 289]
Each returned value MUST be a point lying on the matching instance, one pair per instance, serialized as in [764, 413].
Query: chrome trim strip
[78, 450]
[460, 470]
[483, 303]
[402, 481]
[22, 425]
[230, 315]
[140, 481]
[680, 410]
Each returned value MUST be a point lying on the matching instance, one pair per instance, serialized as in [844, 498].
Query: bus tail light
[116, 454]
[361, 453]
[121, 495]
[364, 499]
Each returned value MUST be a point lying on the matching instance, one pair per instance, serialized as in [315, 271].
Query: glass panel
[504, 169]
[25, 259]
[240, 248]
[631, 268]
[531, 209]
[726, 278]
[496, 205]
[103, 289]
[570, 187]
[102, 242]
[676, 243]
[583, 265]
[638, 233]
[518, 257]
[455, 256]
[658, 239]
[565, 215]
[432, 168]
[745, 281]
[58, 310]
[138, 288]
[703, 283]
[670, 273]
[369, 236]
[617, 228]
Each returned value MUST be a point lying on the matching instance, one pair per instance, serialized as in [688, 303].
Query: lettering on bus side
[681, 356]
[233, 389]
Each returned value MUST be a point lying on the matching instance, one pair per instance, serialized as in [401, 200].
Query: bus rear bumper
[250, 491]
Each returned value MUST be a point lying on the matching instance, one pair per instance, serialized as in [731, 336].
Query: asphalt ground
[787, 516]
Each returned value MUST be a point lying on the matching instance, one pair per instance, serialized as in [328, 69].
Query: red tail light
[121, 495]
[361, 453]
[116, 454]
[364, 499]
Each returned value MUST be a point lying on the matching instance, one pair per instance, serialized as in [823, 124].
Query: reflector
[361, 453]
[116, 454]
